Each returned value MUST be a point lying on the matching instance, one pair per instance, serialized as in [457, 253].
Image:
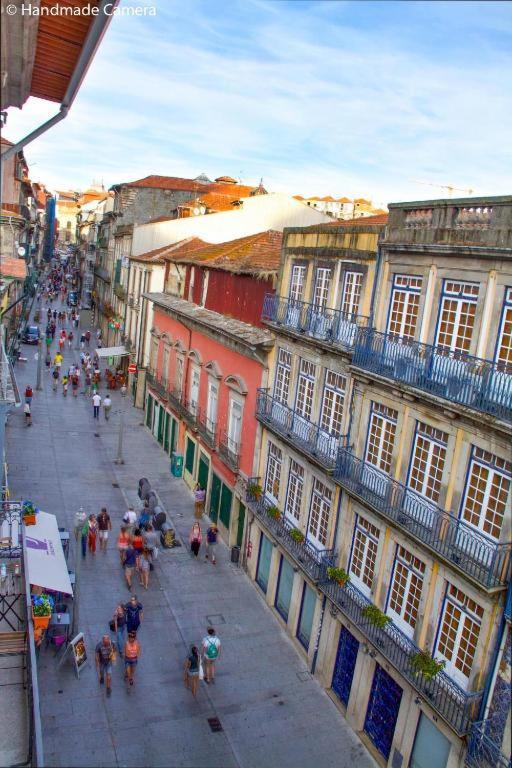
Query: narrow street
[272, 712]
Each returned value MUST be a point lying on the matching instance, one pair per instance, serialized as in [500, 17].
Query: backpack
[132, 615]
[28, 392]
[212, 650]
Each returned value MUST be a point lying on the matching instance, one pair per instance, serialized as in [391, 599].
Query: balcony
[206, 428]
[456, 706]
[477, 556]
[331, 326]
[120, 291]
[229, 451]
[484, 749]
[460, 378]
[157, 386]
[102, 274]
[308, 557]
[319, 445]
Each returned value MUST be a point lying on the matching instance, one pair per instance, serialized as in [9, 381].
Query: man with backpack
[210, 648]
[134, 614]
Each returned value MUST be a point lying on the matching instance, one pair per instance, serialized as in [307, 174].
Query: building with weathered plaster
[386, 453]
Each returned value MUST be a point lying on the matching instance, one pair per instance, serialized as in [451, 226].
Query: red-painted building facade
[207, 360]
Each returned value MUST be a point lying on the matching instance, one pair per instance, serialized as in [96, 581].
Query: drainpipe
[378, 264]
[319, 632]
[92, 42]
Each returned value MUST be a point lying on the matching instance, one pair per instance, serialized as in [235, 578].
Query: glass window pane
[284, 588]
[307, 612]
[264, 559]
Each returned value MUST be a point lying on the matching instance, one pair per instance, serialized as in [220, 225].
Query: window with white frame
[351, 293]
[458, 634]
[295, 490]
[486, 498]
[405, 306]
[318, 525]
[364, 554]
[297, 280]
[504, 346]
[305, 389]
[405, 591]
[381, 436]
[457, 312]
[165, 366]
[332, 403]
[194, 388]
[153, 355]
[428, 460]
[273, 477]
[322, 287]
[282, 380]
[236, 412]
[179, 373]
[212, 405]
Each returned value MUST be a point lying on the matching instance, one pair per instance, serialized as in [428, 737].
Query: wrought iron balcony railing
[309, 558]
[120, 291]
[455, 705]
[206, 428]
[176, 400]
[473, 553]
[331, 326]
[302, 434]
[158, 386]
[460, 378]
[229, 451]
[102, 273]
[483, 750]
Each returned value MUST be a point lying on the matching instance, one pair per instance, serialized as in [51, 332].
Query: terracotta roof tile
[11, 267]
[362, 221]
[171, 252]
[255, 254]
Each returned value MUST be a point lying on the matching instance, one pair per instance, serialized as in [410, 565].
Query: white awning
[112, 352]
[47, 567]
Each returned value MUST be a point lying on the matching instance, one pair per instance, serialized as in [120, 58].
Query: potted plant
[29, 512]
[273, 512]
[424, 664]
[339, 575]
[297, 535]
[375, 616]
[254, 491]
[42, 609]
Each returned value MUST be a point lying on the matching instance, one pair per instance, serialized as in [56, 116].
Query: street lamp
[120, 459]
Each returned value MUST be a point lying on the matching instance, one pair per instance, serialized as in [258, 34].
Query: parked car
[72, 299]
[31, 335]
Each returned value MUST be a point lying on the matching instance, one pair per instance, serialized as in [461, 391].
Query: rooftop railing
[331, 326]
[315, 442]
[310, 558]
[473, 553]
[456, 706]
[460, 378]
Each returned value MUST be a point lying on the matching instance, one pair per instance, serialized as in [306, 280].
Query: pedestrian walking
[107, 406]
[137, 541]
[104, 526]
[96, 402]
[191, 670]
[134, 613]
[129, 563]
[88, 383]
[118, 627]
[105, 656]
[199, 500]
[150, 538]
[211, 542]
[130, 518]
[210, 648]
[144, 567]
[132, 652]
[92, 534]
[84, 535]
[70, 339]
[28, 414]
[62, 341]
[82, 340]
[123, 541]
[28, 394]
[88, 338]
[65, 381]
[145, 515]
[48, 359]
[55, 376]
[74, 384]
[195, 539]
[57, 361]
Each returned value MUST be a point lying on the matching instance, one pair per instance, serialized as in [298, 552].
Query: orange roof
[219, 200]
[170, 252]
[6, 141]
[344, 200]
[254, 254]
[362, 221]
[362, 200]
[11, 267]
[226, 179]
[298, 197]
[166, 182]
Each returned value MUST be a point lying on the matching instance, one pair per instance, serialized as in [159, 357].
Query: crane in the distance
[449, 188]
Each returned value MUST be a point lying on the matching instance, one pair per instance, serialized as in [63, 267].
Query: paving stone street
[272, 712]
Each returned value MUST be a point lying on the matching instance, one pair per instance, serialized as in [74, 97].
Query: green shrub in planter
[273, 512]
[297, 535]
[255, 491]
[375, 616]
[339, 575]
[423, 664]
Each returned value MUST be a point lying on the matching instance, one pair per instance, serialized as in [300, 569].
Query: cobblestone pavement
[272, 712]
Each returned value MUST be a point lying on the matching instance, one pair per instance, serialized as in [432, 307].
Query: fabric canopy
[47, 565]
[111, 352]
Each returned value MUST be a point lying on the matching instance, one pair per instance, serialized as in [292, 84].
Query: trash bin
[176, 464]
[235, 554]
[167, 536]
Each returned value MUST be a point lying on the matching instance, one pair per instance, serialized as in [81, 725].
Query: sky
[341, 98]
